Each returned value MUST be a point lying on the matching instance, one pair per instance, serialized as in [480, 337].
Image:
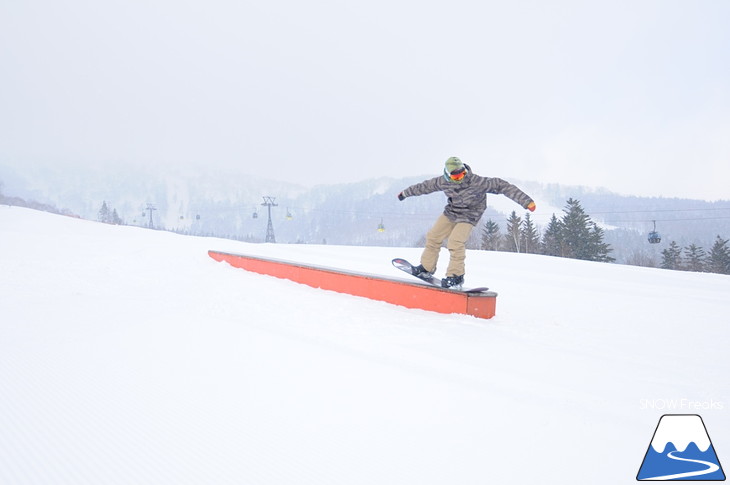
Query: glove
[531, 206]
[401, 196]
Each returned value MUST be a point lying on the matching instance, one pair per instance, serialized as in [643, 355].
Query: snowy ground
[128, 356]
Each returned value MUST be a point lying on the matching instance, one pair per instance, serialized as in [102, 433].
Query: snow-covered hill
[129, 356]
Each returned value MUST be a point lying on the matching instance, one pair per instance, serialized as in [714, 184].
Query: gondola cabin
[654, 237]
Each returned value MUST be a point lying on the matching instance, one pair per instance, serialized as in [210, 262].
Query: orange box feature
[395, 291]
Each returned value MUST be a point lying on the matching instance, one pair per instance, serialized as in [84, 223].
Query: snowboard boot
[420, 272]
[453, 282]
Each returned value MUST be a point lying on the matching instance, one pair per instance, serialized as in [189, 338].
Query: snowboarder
[467, 201]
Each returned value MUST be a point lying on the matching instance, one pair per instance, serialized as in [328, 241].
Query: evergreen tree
[104, 214]
[551, 244]
[530, 239]
[718, 261]
[512, 238]
[576, 232]
[491, 236]
[115, 219]
[672, 256]
[597, 249]
[694, 259]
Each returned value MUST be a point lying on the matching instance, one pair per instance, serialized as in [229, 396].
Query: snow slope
[129, 356]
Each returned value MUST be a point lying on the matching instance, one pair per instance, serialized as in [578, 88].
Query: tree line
[695, 258]
[574, 235]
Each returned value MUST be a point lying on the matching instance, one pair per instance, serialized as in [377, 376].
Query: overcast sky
[631, 95]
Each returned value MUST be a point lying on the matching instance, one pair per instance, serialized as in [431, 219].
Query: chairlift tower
[150, 208]
[269, 203]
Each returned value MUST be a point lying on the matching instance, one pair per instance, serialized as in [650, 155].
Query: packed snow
[129, 356]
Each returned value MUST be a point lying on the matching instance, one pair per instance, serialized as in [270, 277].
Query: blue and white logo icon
[681, 450]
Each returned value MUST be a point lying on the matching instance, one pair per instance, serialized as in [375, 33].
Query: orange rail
[398, 292]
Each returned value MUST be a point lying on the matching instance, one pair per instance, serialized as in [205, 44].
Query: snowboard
[407, 267]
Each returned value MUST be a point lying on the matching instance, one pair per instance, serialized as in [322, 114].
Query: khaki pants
[457, 234]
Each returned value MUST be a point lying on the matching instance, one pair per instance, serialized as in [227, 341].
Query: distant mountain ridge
[224, 203]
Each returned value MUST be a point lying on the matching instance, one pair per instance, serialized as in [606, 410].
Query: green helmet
[454, 164]
[454, 170]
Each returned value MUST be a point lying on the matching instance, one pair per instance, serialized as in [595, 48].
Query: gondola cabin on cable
[654, 237]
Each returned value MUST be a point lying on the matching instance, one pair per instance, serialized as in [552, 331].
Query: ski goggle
[458, 174]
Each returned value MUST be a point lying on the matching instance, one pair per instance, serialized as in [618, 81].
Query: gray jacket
[467, 200]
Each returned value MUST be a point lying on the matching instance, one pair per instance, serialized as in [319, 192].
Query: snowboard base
[407, 267]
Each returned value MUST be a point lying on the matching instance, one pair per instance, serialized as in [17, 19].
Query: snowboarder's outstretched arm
[495, 185]
[426, 187]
